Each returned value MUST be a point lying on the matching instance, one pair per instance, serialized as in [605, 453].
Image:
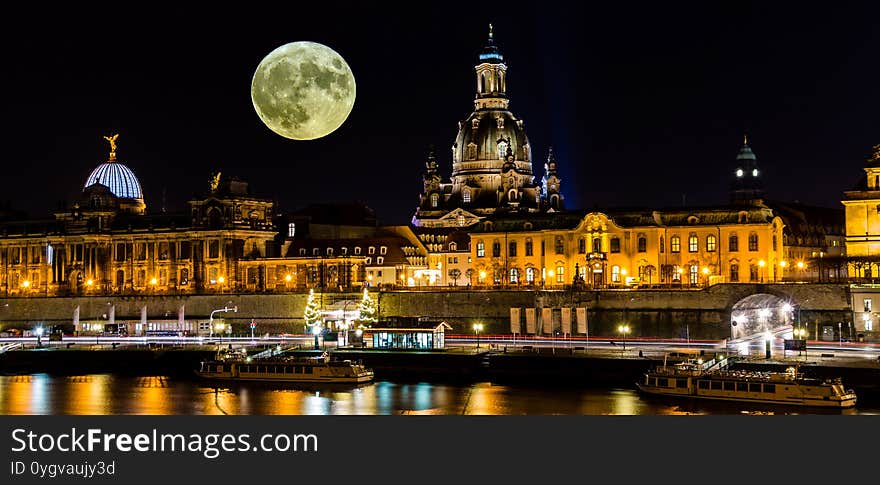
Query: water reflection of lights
[39, 394]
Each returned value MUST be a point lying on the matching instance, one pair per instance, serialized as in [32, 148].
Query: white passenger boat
[712, 380]
[320, 369]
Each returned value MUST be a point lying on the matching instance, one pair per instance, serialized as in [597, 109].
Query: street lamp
[478, 327]
[233, 309]
[623, 330]
[316, 330]
[761, 263]
[800, 333]
[39, 332]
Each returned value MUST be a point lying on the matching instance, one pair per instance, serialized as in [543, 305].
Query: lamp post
[768, 337]
[801, 334]
[761, 264]
[233, 309]
[478, 327]
[623, 330]
[316, 330]
[39, 332]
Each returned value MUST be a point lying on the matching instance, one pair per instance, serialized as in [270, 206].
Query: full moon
[303, 90]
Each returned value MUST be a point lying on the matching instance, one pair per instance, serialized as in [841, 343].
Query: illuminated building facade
[107, 244]
[690, 247]
[863, 221]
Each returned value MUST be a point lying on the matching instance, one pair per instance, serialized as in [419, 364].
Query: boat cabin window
[754, 387]
[703, 384]
[681, 383]
[308, 370]
[742, 387]
[716, 385]
[769, 387]
[729, 385]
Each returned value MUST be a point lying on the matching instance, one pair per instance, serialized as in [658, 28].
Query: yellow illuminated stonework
[598, 250]
[863, 214]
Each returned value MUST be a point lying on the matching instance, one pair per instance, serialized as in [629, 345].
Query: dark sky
[643, 103]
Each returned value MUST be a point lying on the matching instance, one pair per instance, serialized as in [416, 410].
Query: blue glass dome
[119, 178]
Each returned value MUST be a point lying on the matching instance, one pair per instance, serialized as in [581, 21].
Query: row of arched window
[343, 251]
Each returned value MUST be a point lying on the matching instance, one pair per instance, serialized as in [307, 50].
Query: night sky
[644, 104]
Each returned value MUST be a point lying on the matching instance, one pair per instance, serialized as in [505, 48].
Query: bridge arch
[760, 313]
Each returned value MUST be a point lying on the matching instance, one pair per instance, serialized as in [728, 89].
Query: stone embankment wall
[702, 314]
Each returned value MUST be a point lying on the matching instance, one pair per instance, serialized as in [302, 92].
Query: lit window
[675, 244]
[380, 260]
[694, 274]
[453, 247]
[711, 242]
[459, 219]
[357, 250]
[383, 250]
[291, 229]
[371, 250]
[693, 243]
[530, 275]
[302, 251]
[560, 274]
[615, 274]
[466, 195]
[481, 249]
[753, 242]
[868, 304]
[435, 200]
[514, 275]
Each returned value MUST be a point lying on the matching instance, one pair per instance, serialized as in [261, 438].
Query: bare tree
[455, 274]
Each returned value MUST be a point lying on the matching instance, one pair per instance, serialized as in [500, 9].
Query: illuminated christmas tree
[368, 311]
[311, 314]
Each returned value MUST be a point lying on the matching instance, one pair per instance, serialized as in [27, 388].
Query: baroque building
[491, 160]
[751, 239]
[862, 205]
[107, 243]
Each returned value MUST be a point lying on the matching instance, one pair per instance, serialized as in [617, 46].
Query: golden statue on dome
[875, 156]
[112, 140]
[215, 182]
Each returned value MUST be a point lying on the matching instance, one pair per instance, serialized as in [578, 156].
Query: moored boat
[321, 369]
[713, 380]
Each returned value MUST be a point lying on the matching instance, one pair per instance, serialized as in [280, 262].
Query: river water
[109, 394]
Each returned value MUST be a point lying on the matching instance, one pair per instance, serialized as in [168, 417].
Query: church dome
[118, 178]
[488, 135]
